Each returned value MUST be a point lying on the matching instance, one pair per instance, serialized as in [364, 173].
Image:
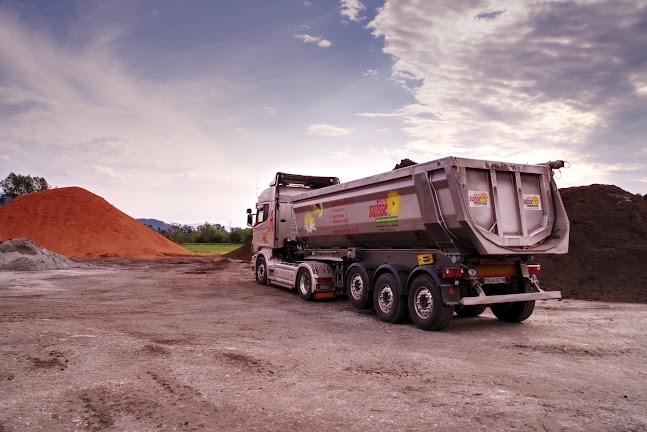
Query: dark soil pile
[243, 253]
[76, 223]
[607, 260]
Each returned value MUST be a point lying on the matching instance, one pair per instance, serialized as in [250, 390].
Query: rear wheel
[390, 306]
[357, 286]
[304, 284]
[470, 311]
[261, 270]
[426, 306]
[513, 312]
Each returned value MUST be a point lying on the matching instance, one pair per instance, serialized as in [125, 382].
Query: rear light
[453, 273]
[534, 269]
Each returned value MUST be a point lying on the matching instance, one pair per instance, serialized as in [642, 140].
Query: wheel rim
[357, 286]
[304, 283]
[424, 303]
[385, 298]
[260, 271]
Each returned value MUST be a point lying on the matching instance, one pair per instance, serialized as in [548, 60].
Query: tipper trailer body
[427, 240]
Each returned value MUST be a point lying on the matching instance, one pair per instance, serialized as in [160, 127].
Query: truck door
[264, 227]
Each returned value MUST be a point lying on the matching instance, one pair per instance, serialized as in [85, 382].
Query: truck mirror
[249, 211]
[249, 220]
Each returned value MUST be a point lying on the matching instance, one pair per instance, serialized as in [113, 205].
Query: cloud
[369, 73]
[269, 110]
[345, 155]
[526, 80]
[318, 40]
[66, 99]
[488, 15]
[326, 130]
[108, 172]
[78, 113]
[351, 9]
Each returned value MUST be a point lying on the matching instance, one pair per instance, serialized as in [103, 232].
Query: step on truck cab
[453, 235]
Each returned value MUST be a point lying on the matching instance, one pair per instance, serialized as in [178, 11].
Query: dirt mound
[243, 253]
[608, 248]
[76, 223]
[24, 255]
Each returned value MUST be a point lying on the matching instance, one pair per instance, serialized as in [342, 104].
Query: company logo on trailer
[479, 199]
[531, 202]
[309, 221]
[386, 209]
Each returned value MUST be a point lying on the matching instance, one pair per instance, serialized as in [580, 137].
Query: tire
[513, 312]
[357, 287]
[389, 305]
[470, 311]
[426, 306]
[261, 270]
[304, 284]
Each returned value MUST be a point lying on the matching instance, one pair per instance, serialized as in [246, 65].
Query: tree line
[206, 233]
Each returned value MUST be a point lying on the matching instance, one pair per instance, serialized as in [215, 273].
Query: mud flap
[451, 294]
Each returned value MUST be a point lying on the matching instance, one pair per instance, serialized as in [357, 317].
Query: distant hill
[155, 223]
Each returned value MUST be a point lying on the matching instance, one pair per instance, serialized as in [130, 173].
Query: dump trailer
[453, 235]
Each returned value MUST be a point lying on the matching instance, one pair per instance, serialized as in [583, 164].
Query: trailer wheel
[513, 312]
[470, 311]
[357, 287]
[426, 306]
[261, 270]
[304, 284]
[390, 306]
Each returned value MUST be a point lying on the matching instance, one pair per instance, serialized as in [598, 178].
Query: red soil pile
[76, 223]
[607, 260]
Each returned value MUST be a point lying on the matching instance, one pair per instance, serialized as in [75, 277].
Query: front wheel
[261, 270]
[304, 284]
[513, 312]
[426, 306]
[390, 306]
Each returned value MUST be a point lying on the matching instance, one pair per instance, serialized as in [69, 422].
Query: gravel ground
[194, 344]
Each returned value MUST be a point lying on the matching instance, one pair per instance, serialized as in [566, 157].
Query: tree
[240, 235]
[15, 185]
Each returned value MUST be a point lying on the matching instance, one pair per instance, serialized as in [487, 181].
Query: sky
[184, 110]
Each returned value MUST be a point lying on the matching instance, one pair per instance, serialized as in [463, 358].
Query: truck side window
[261, 213]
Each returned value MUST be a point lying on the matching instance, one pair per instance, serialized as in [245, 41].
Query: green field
[215, 248]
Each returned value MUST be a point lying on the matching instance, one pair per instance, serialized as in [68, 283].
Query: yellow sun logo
[535, 200]
[483, 198]
[309, 222]
[393, 203]
[318, 209]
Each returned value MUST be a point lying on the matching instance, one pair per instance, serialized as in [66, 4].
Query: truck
[427, 241]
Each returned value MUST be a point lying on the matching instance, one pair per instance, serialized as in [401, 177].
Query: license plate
[324, 287]
[494, 280]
